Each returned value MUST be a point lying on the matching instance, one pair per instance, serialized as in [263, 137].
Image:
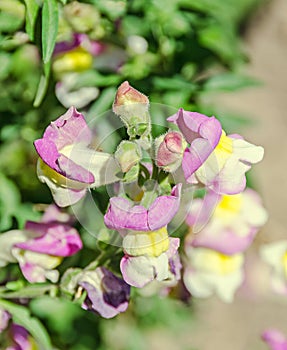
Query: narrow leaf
[103, 103]
[43, 85]
[32, 9]
[50, 21]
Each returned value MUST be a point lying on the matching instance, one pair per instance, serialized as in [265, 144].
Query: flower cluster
[155, 232]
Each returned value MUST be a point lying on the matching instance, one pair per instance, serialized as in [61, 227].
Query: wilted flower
[149, 256]
[208, 272]
[67, 164]
[107, 294]
[132, 107]
[275, 255]
[226, 223]
[214, 159]
[169, 149]
[121, 213]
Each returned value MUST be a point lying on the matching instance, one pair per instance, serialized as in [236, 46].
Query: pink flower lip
[122, 215]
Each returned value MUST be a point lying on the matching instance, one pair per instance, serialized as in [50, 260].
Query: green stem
[30, 291]
[154, 171]
[162, 176]
[103, 258]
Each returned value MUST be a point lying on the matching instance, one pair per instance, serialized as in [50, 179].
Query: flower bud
[169, 150]
[132, 107]
[127, 155]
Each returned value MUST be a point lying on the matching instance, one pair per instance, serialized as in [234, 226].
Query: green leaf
[50, 21]
[175, 83]
[222, 41]
[229, 82]
[103, 103]
[32, 9]
[9, 202]
[22, 316]
[5, 64]
[43, 85]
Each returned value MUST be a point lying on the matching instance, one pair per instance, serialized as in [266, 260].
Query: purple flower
[169, 150]
[226, 223]
[78, 39]
[202, 133]
[275, 339]
[107, 294]
[67, 164]
[21, 339]
[214, 159]
[52, 239]
[43, 249]
[122, 214]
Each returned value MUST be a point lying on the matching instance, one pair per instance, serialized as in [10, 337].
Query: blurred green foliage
[177, 52]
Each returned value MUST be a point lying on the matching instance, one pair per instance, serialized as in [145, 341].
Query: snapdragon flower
[147, 247]
[149, 256]
[226, 223]
[132, 107]
[216, 160]
[40, 247]
[275, 255]
[208, 272]
[169, 150]
[67, 164]
[107, 294]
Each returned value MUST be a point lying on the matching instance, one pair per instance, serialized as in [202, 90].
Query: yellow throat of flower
[229, 206]
[44, 170]
[151, 244]
[218, 263]
[224, 149]
[76, 60]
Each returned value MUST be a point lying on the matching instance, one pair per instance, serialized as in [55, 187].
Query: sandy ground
[238, 326]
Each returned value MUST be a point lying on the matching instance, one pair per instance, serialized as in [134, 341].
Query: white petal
[102, 165]
[248, 152]
[7, 240]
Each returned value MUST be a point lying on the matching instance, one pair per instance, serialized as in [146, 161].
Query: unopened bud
[127, 154]
[169, 150]
[132, 107]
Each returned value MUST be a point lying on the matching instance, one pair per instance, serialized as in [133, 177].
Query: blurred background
[220, 57]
